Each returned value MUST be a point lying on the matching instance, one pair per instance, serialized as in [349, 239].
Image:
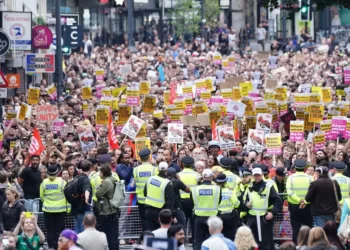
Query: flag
[214, 133]
[113, 142]
[36, 145]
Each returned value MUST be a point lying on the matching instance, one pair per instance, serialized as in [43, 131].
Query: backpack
[71, 191]
[118, 194]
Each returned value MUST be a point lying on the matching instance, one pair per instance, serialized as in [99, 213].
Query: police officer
[191, 179]
[232, 179]
[266, 172]
[343, 181]
[227, 206]
[206, 199]
[297, 187]
[241, 189]
[141, 174]
[54, 204]
[258, 197]
[159, 195]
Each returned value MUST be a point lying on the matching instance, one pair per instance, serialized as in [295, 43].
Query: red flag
[132, 146]
[214, 133]
[113, 142]
[36, 145]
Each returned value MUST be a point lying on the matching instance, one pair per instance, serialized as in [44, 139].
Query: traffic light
[304, 10]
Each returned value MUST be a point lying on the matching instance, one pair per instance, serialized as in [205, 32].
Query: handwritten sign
[46, 113]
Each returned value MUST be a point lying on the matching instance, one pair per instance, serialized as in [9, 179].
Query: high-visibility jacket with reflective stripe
[259, 201]
[344, 184]
[52, 195]
[190, 179]
[206, 200]
[240, 190]
[141, 175]
[96, 181]
[274, 185]
[297, 187]
[232, 179]
[228, 202]
[156, 191]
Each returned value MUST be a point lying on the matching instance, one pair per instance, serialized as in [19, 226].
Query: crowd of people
[198, 134]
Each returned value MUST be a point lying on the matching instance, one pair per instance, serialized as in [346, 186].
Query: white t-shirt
[161, 233]
[260, 34]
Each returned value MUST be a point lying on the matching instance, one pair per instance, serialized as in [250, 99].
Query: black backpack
[72, 192]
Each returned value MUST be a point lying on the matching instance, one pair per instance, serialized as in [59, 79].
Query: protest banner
[263, 122]
[145, 87]
[142, 143]
[98, 89]
[301, 98]
[237, 108]
[46, 113]
[158, 114]
[175, 116]
[57, 125]
[52, 92]
[305, 88]
[206, 96]
[326, 126]
[132, 96]
[149, 104]
[273, 143]
[86, 92]
[187, 91]
[132, 126]
[102, 113]
[319, 139]
[338, 126]
[166, 97]
[87, 141]
[23, 111]
[226, 137]
[142, 132]
[66, 129]
[347, 132]
[255, 140]
[326, 95]
[316, 112]
[346, 75]
[117, 91]
[106, 101]
[296, 131]
[33, 95]
[251, 122]
[246, 87]
[175, 134]
[106, 92]
[124, 112]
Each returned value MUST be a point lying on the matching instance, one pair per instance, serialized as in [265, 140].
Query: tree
[290, 4]
[211, 12]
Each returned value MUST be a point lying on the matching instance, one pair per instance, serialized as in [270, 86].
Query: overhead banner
[39, 63]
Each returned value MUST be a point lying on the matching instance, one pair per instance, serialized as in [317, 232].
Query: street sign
[73, 36]
[3, 93]
[39, 63]
[54, 41]
[3, 81]
[4, 43]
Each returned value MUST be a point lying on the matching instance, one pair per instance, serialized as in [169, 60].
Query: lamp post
[58, 67]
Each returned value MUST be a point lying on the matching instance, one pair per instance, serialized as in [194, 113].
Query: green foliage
[290, 4]
[40, 21]
[211, 12]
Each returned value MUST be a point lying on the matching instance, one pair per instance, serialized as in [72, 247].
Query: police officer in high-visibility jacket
[54, 204]
[232, 179]
[297, 187]
[191, 179]
[141, 174]
[241, 188]
[258, 197]
[227, 208]
[343, 181]
[159, 194]
[206, 199]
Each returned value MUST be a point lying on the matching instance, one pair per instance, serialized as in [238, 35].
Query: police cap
[187, 161]
[338, 165]
[300, 164]
[246, 172]
[225, 162]
[144, 153]
[221, 178]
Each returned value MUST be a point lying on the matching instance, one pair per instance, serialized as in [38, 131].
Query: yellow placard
[175, 115]
[326, 125]
[205, 95]
[214, 116]
[115, 104]
[166, 97]
[199, 109]
[124, 113]
[158, 114]
[102, 116]
[226, 93]
[316, 112]
[249, 109]
[273, 141]
[201, 84]
[51, 89]
[33, 96]
[149, 104]
[209, 84]
[319, 138]
[179, 104]
[261, 109]
[246, 87]
[142, 143]
[272, 104]
[116, 91]
[86, 93]
[187, 90]
[145, 87]
[251, 122]
[282, 107]
[236, 93]
[302, 98]
[106, 91]
[142, 132]
[23, 111]
[326, 94]
[106, 102]
[315, 97]
[188, 101]
[225, 63]
[123, 99]
[297, 127]
[269, 95]
[340, 92]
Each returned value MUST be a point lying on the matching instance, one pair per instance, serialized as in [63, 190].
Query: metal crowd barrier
[130, 224]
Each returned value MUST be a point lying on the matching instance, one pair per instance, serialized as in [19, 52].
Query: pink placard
[217, 100]
[57, 126]
[338, 127]
[274, 151]
[347, 75]
[99, 91]
[296, 136]
[132, 100]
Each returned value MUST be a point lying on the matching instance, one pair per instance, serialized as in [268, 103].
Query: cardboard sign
[86, 93]
[124, 112]
[142, 143]
[296, 131]
[273, 143]
[133, 96]
[326, 126]
[338, 126]
[33, 96]
[232, 81]
[347, 75]
[189, 120]
[102, 114]
[14, 81]
[87, 140]
[226, 137]
[347, 132]
[271, 83]
[149, 104]
[57, 125]
[132, 126]
[237, 108]
[46, 113]
[255, 140]
[52, 92]
[263, 122]
[319, 140]
[316, 112]
[175, 134]
[23, 111]
[145, 87]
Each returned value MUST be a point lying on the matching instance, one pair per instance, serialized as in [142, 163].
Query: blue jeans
[321, 220]
[33, 205]
[78, 223]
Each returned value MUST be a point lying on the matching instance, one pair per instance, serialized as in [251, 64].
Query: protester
[68, 240]
[165, 220]
[176, 232]
[318, 240]
[303, 237]
[244, 239]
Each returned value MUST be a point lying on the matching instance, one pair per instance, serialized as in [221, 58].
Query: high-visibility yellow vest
[232, 179]
[344, 184]
[240, 190]
[228, 202]
[189, 177]
[156, 191]
[206, 200]
[297, 187]
[96, 181]
[52, 195]
[259, 202]
[141, 175]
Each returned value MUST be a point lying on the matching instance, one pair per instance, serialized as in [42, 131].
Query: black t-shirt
[84, 185]
[177, 186]
[31, 184]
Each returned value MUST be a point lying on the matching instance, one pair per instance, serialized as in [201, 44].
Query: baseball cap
[257, 171]
[70, 234]
[207, 173]
[281, 171]
[217, 169]
[163, 166]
